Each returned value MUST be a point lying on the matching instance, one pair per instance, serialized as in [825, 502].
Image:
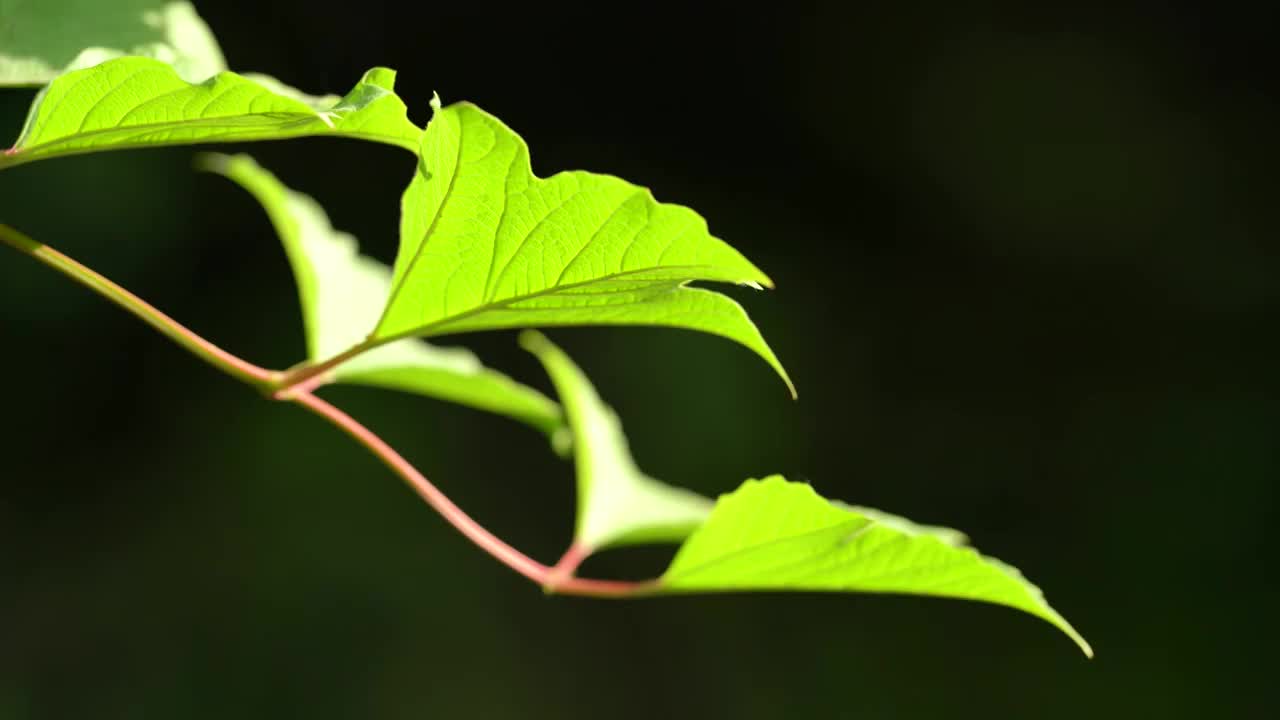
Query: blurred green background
[1027, 273]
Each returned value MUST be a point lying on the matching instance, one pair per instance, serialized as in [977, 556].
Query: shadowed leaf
[617, 503]
[41, 39]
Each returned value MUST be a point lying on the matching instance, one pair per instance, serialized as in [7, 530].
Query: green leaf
[617, 504]
[774, 535]
[342, 293]
[41, 39]
[138, 102]
[486, 245]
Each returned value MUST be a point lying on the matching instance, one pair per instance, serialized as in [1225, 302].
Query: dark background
[1027, 278]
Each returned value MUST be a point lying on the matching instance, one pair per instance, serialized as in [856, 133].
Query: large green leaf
[40, 39]
[617, 504]
[136, 102]
[342, 293]
[486, 245]
[774, 535]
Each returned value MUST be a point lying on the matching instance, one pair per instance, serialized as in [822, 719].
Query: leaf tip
[212, 162]
[760, 281]
[1062, 624]
[533, 341]
[562, 442]
[435, 102]
[781, 371]
[383, 77]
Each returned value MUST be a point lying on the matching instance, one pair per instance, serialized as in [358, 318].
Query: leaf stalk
[307, 377]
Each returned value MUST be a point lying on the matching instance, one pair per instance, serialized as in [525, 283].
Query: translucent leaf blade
[137, 102]
[41, 39]
[342, 294]
[617, 503]
[775, 535]
[455, 375]
[484, 244]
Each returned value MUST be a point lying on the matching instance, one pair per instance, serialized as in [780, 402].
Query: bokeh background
[1027, 281]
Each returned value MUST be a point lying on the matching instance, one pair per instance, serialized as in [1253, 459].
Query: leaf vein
[524, 242]
[119, 86]
[426, 236]
[596, 234]
[502, 219]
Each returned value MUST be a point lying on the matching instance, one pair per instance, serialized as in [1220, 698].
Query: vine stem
[231, 364]
[549, 578]
[297, 388]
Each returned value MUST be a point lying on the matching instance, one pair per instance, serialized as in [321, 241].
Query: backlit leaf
[775, 535]
[486, 245]
[137, 102]
[342, 293]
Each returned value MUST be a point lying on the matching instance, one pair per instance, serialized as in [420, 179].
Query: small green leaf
[617, 504]
[41, 39]
[774, 535]
[486, 245]
[136, 102]
[342, 293]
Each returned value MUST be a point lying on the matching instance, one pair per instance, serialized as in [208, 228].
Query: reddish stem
[297, 386]
[170, 328]
[473, 531]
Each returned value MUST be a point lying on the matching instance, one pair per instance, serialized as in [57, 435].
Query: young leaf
[617, 504]
[775, 535]
[486, 245]
[342, 293]
[137, 102]
[41, 39]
